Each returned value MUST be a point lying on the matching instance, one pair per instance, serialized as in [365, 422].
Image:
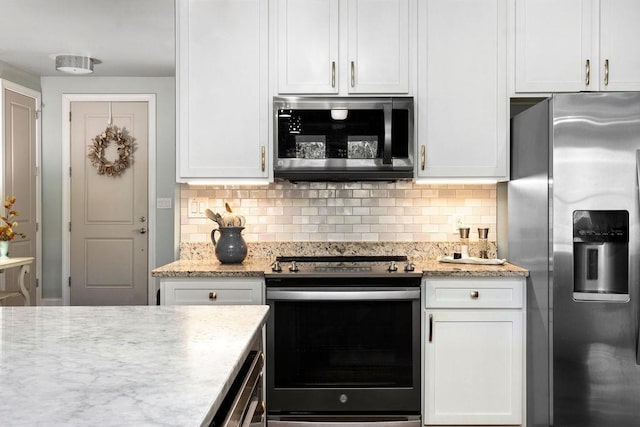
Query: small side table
[24, 264]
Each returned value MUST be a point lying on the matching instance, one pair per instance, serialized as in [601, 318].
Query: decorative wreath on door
[125, 146]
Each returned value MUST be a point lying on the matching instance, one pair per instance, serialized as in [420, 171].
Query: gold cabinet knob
[474, 294]
[212, 296]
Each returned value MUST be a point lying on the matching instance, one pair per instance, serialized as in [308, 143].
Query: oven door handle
[385, 295]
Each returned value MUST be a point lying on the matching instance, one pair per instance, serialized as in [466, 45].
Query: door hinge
[37, 282]
[37, 170]
[37, 227]
[69, 281]
[69, 115]
[36, 114]
[69, 226]
[69, 171]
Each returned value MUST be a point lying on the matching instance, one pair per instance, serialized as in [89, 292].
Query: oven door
[343, 351]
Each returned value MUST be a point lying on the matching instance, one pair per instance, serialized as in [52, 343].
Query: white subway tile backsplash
[333, 211]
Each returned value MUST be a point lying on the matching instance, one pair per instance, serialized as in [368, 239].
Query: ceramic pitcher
[230, 246]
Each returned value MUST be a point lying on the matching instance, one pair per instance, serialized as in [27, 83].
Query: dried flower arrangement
[8, 224]
[124, 144]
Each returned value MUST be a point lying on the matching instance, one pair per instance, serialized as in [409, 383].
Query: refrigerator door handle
[638, 338]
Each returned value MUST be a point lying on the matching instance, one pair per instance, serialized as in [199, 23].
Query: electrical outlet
[458, 222]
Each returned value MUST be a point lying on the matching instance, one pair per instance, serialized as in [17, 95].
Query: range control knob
[409, 267]
[293, 266]
[276, 267]
[392, 266]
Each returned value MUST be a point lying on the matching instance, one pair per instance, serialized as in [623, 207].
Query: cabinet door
[463, 118]
[308, 46]
[223, 98]
[619, 47]
[473, 367]
[554, 41]
[378, 52]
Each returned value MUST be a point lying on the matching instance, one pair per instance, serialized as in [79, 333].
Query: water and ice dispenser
[601, 255]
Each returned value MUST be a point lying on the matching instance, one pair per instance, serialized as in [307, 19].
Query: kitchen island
[143, 366]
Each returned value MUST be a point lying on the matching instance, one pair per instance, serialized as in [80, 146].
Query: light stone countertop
[115, 366]
[432, 268]
[197, 259]
[257, 268]
[213, 268]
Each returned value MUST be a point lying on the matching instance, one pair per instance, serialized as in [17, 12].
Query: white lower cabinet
[212, 291]
[474, 336]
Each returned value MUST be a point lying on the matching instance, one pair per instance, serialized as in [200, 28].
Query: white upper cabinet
[222, 90]
[343, 46]
[577, 45]
[308, 46]
[378, 35]
[462, 90]
[619, 45]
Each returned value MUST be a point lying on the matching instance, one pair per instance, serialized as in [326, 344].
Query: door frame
[67, 99]
[37, 96]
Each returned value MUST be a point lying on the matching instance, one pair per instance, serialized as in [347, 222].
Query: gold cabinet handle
[423, 157]
[353, 74]
[213, 296]
[333, 73]
[474, 294]
[263, 158]
[587, 78]
[606, 72]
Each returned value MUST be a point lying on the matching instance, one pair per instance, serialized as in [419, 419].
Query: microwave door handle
[386, 154]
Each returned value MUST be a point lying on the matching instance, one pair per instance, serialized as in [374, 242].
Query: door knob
[143, 230]
[142, 219]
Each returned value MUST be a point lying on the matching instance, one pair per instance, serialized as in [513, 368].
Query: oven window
[343, 344]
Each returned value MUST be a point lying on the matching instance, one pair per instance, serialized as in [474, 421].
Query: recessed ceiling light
[75, 64]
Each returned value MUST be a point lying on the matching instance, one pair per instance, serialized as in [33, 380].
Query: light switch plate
[163, 203]
[196, 207]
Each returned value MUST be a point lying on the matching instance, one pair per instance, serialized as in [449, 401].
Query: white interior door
[108, 254]
[20, 181]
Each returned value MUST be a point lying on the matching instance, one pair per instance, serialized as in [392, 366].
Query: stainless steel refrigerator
[573, 221]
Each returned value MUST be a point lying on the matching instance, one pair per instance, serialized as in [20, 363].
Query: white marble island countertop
[117, 366]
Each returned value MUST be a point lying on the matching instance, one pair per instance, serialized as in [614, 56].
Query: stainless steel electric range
[343, 341]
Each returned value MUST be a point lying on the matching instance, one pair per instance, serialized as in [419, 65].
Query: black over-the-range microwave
[343, 138]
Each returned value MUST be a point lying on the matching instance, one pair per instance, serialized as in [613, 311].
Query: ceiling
[130, 37]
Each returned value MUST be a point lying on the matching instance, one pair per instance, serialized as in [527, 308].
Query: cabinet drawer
[211, 292]
[475, 292]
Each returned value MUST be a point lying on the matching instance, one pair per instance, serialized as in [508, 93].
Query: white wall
[15, 75]
[52, 90]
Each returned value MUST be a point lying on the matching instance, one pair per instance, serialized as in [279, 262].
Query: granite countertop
[257, 268]
[143, 365]
[434, 268]
[254, 267]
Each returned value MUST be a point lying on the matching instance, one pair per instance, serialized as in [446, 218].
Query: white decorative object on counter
[471, 260]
